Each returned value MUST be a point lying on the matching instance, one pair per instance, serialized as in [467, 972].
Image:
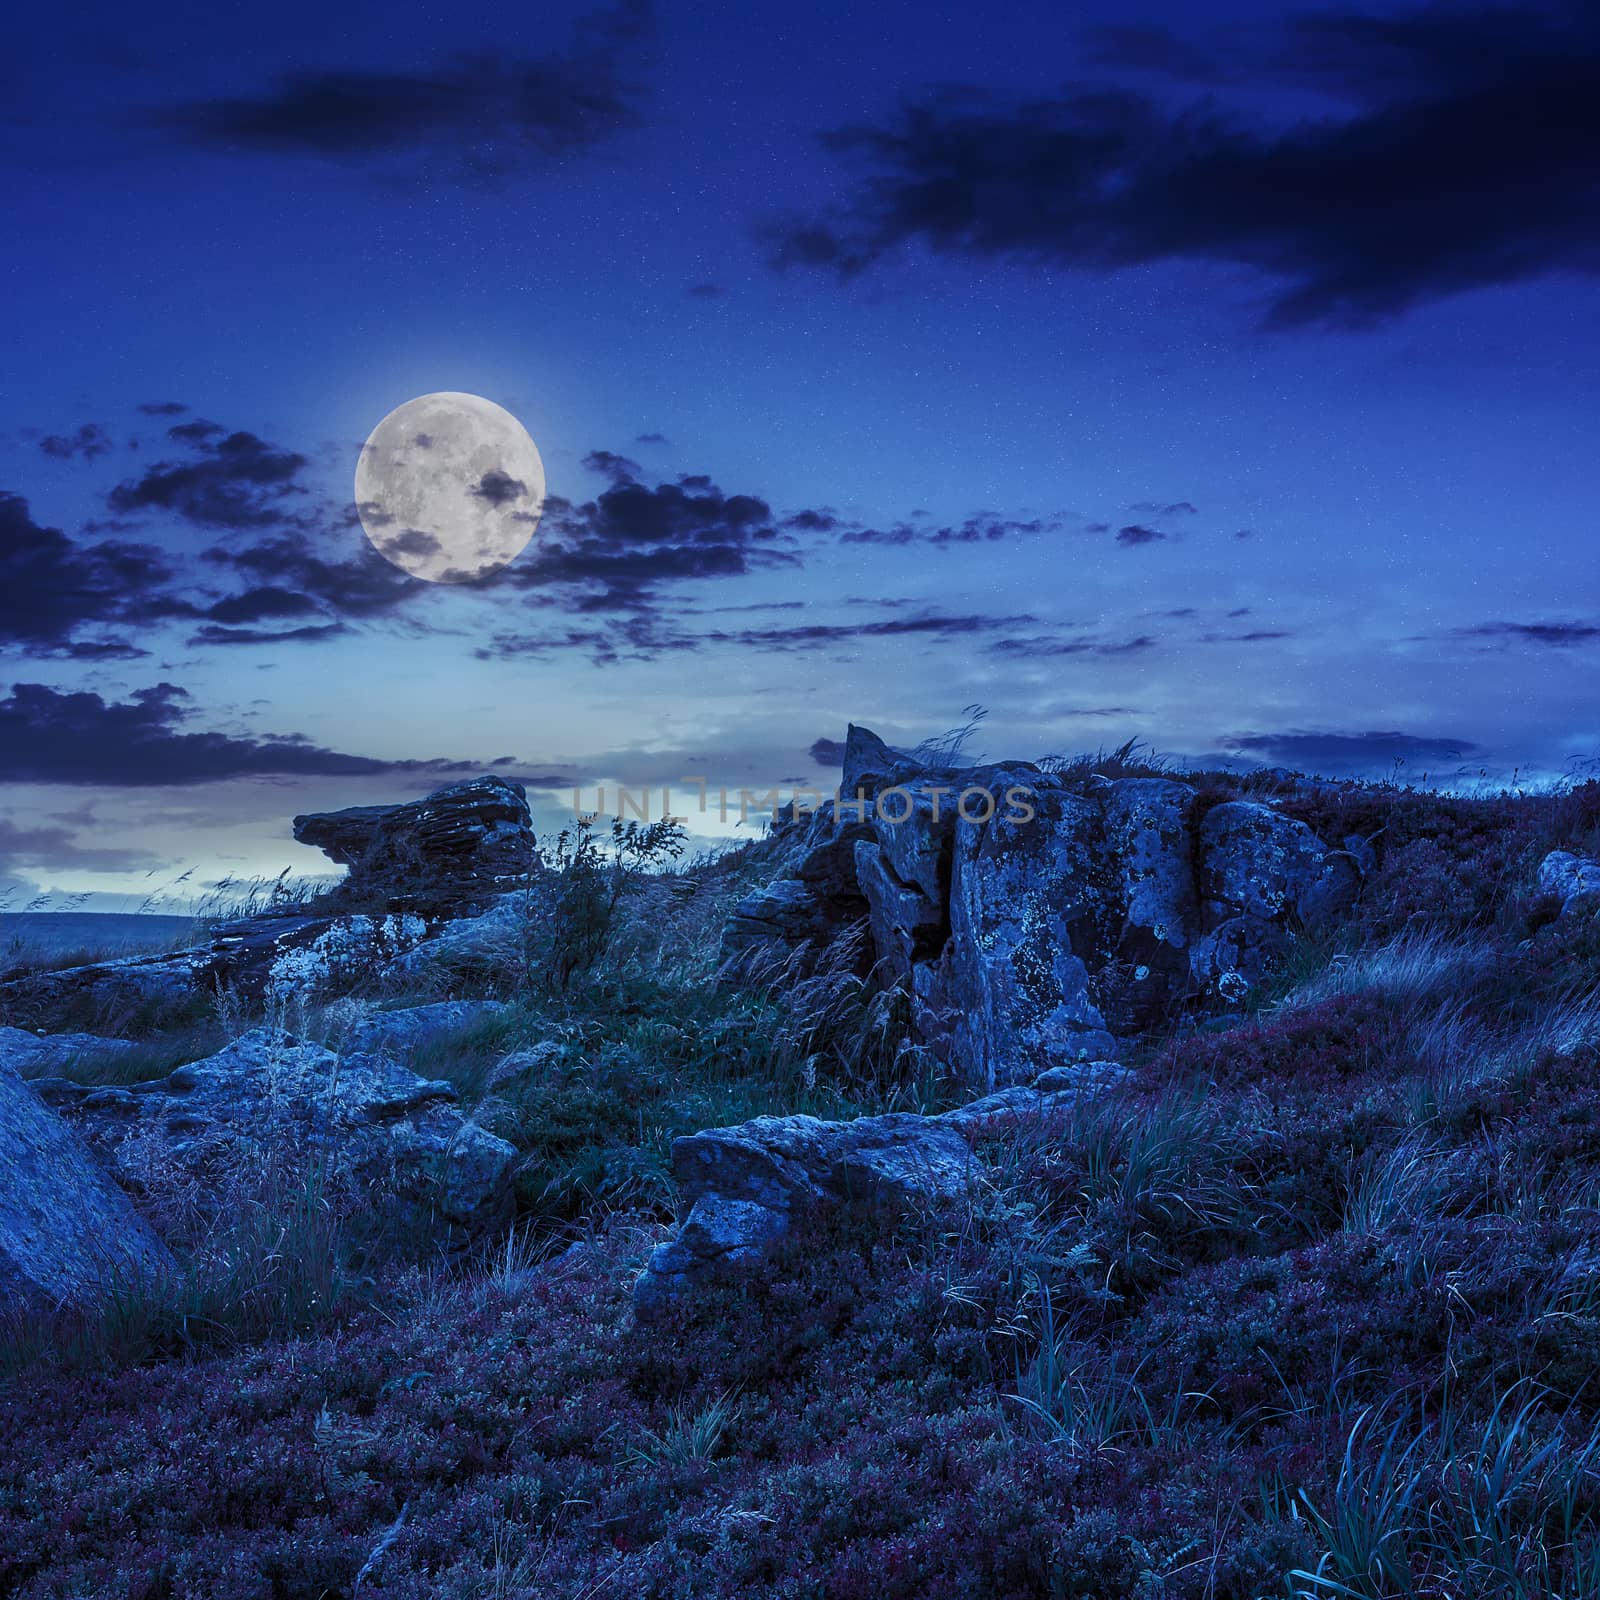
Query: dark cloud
[310, 633]
[474, 118]
[1557, 634]
[229, 480]
[89, 441]
[262, 604]
[983, 528]
[50, 587]
[827, 752]
[500, 489]
[1348, 752]
[163, 408]
[1136, 533]
[360, 584]
[1174, 508]
[651, 438]
[50, 737]
[59, 849]
[818, 635]
[612, 552]
[705, 291]
[608, 464]
[1045, 647]
[1464, 156]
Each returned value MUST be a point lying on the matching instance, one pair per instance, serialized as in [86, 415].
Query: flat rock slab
[67, 1233]
[420, 1025]
[33, 1055]
[747, 1185]
[272, 1101]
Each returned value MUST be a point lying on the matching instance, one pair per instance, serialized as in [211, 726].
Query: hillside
[1189, 1190]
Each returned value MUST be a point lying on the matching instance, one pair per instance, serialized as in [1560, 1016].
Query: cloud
[58, 849]
[230, 480]
[477, 117]
[1560, 635]
[1174, 508]
[500, 489]
[1137, 533]
[90, 441]
[50, 587]
[651, 438]
[210, 634]
[1348, 752]
[298, 563]
[983, 528]
[163, 408]
[1462, 155]
[705, 291]
[47, 736]
[1044, 647]
[613, 551]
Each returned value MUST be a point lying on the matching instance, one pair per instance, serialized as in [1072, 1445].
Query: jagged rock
[1255, 861]
[397, 1032]
[113, 988]
[67, 1234]
[747, 1185]
[804, 911]
[1236, 955]
[495, 939]
[1030, 899]
[868, 758]
[33, 1054]
[1574, 880]
[1149, 833]
[469, 840]
[271, 1101]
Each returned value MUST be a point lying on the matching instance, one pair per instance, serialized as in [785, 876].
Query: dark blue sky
[1229, 382]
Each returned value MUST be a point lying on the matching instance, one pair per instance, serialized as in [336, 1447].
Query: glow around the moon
[449, 487]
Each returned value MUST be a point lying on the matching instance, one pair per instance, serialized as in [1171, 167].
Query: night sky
[1232, 383]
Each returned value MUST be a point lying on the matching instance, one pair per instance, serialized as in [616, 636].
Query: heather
[1307, 1305]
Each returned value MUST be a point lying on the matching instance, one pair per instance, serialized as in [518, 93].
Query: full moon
[449, 487]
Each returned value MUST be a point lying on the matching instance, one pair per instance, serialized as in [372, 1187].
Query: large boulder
[464, 842]
[1574, 880]
[1149, 832]
[747, 1186]
[1256, 862]
[274, 1104]
[1032, 901]
[1261, 874]
[67, 1233]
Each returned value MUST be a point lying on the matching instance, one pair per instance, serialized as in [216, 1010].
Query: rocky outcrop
[1574, 880]
[32, 1055]
[272, 1103]
[748, 1186]
[803, 911]
[1038, 922]
[416, 1027]
[418, 870]
[67, 1233]
[467, 841]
